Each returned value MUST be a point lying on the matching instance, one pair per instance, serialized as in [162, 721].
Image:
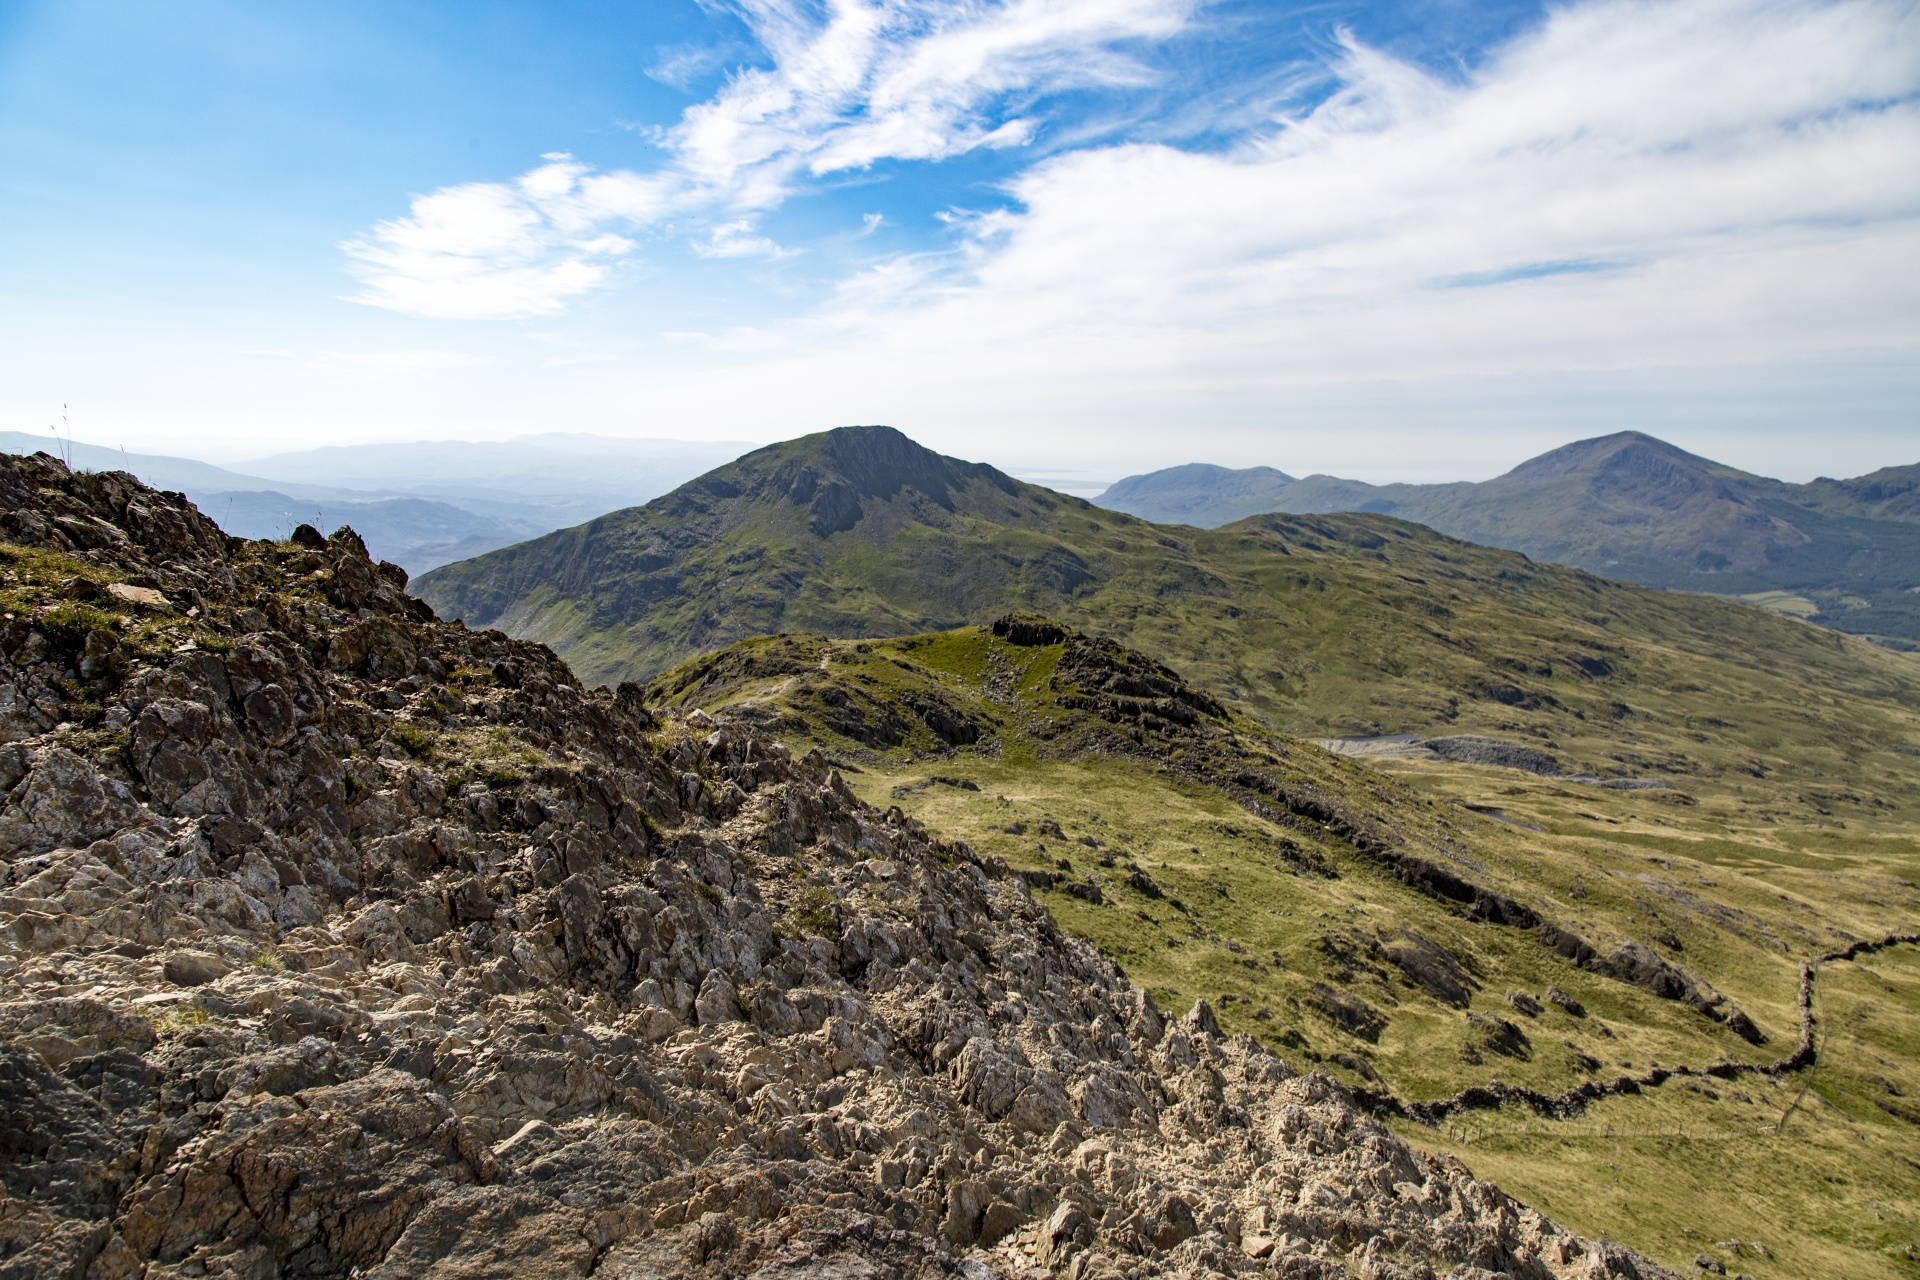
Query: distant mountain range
[1845, 553]
[421, 504]
[1320, 625]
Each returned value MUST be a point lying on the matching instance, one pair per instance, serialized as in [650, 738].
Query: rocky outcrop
[1637, 965]
[1470, 748]
[339, 940]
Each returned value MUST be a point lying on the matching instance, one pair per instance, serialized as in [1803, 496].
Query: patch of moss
[816, 915]
[67, 626]
[418, 741]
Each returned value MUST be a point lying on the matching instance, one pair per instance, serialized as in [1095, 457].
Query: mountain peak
[1621, 451]
[832, 472]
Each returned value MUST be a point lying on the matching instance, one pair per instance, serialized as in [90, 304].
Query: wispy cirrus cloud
[862, 82]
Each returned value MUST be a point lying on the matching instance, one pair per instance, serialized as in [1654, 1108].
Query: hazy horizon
[1080, 482]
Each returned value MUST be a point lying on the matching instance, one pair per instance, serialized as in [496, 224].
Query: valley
[1318, 626]
[1521, 865]
[1316, 947]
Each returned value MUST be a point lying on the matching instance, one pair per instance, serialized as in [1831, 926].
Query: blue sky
[1074, 237]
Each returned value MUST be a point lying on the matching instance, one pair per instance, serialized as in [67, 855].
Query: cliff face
[335, 939]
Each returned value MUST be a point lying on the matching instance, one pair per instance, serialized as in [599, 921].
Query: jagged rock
[1172, 1223]
[1350, 1013]
[716, 1001]
[1029, 629]
[385, 949]
[966, 1206]
[1743, 1026]
[997, 1221]
[1067, 1232]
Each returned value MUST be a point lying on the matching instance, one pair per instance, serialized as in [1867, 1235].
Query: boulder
[195, 968]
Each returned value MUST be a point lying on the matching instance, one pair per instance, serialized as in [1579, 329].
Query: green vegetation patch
[1298, 938]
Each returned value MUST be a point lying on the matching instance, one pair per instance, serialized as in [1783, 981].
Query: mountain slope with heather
[340, 940]
[1625, 506]
[1296, 892]
[1316, 625]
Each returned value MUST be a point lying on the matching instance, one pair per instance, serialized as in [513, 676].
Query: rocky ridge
[336, 939]
[1109, 700]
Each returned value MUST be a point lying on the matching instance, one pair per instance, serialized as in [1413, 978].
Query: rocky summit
[339, 940]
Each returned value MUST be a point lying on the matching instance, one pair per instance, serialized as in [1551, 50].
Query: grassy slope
[1741, 894]
[1316, 625]
[1637, 508]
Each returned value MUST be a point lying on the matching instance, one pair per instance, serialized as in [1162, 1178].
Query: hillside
[1844, 552]
[1404, 927]
[1319, 626]
[338, 940]
[1200, 494]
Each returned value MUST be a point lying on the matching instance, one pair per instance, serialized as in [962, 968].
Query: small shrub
[707, 891]
[268, 960]
[66, 627]
[416, 740]
[816, 916]
[179, 1018]
[499, 777]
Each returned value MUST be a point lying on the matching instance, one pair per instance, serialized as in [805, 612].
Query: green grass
[1314, 625]
[1723, 886]
[1846, 552]
[418, 740]
[1786, 602]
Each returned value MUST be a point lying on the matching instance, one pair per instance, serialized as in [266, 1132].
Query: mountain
[339, 940]
[1198, 493]
[419, 505]
[415, 533]
[1316, 625]
[1845, 552]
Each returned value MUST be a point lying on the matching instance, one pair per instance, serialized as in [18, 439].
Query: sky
[1075, 238]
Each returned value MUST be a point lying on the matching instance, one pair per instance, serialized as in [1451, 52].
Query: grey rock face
[1474, 749]
[378, 947]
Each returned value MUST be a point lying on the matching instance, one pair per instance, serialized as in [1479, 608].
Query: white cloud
[496, 249]
[1695, 198]
[865, 81]
[400, 363]
[680, 66]
[1634, 182]
[736, 240]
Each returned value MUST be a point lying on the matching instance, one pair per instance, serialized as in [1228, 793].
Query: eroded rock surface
[339, 940]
